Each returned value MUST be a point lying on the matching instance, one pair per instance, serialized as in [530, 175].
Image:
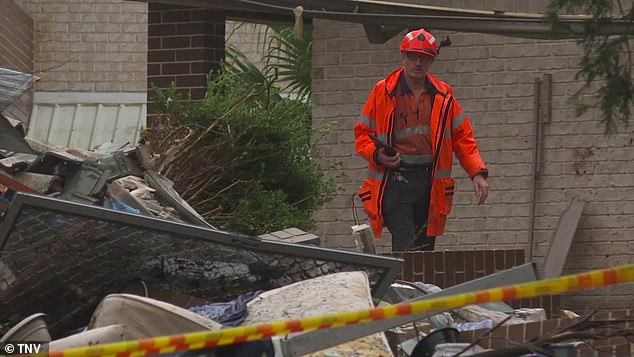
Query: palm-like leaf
[236, 63]
[292, 58]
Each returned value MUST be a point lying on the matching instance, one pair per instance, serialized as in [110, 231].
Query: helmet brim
[424, 51]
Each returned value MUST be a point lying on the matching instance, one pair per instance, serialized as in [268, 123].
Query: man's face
[416, 64]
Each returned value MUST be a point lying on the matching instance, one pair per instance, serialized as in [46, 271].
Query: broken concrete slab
[39, 182]
[11, 138]
[9, 181]
[17, 161]
[292, 235]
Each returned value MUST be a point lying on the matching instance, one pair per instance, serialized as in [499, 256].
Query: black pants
[406, 207]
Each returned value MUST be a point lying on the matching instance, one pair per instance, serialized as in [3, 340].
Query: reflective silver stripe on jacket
[458, 120]
[366, 121]
[442, 173]
[375, 175]
[417, 159]
[382, 137]
[407, 132]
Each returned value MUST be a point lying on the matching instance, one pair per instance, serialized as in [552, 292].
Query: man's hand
[481, 188]
[388, 161]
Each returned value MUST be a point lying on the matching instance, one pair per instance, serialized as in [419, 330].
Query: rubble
[124, 317]
[12, 85]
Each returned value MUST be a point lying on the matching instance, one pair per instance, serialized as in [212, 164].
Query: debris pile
[112, 175]
[126, 317]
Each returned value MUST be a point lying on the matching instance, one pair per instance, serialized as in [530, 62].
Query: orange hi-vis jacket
[450, 132]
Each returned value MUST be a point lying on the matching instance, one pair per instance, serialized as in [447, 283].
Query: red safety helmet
[420, 41]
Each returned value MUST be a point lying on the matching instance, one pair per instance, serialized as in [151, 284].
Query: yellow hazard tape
[205, 339]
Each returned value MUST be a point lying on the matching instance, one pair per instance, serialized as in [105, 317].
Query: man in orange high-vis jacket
[410, 127]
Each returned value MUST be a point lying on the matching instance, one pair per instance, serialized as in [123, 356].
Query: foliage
[607, 60]
[238, 65]
[287, 63]
[239, 158]
[292, 57]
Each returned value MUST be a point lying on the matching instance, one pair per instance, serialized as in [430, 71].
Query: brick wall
[449, 268]
[514, 335]
[493, 79]
[16, 52]
[184, 44]
[249, 38]
[89, 46]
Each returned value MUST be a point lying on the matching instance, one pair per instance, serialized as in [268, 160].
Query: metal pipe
[541, 113]
[535, 168]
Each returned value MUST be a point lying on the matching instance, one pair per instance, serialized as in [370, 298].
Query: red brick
[460, 275]
[550, 326]
[161, 30]
[175, 68]
[407, 267]
[489, 261]
[196, 54]
[439, 270]
[418, 267]
[191, 81]
[153, 43]
[197, 93]
[469, 265]
[201, 67]
[449, 268]
[498, 338]
[517, 332]
[177, 16]
[207, 41]
[499, 263]
[153, 69]
[428, 262]
[161, 81]
[161, 56]
[605, 351]
[195, 28]
[479, 268]
[623, 350]
[154, 17]
[585, 351]
[207, 15]
[176, 42]
[533, 330]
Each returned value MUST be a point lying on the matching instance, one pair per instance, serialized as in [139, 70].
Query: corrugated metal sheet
[87, 121]
[12, 85]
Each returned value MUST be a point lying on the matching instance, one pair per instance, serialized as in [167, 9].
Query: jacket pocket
[366, 195]
[442, 195]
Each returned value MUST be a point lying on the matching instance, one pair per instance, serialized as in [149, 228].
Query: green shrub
[242, 160]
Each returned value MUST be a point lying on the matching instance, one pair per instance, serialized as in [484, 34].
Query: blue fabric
[231, 313]
[118, 205]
